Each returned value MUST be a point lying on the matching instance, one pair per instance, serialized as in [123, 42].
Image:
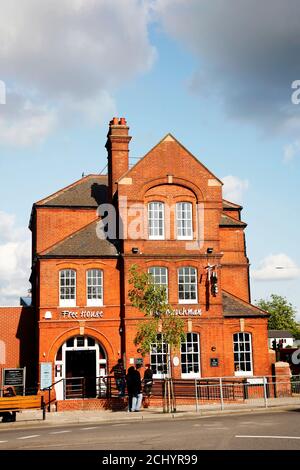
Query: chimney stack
[117, 146]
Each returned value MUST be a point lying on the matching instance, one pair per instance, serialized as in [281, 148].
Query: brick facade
[64, 238]
[18, 340]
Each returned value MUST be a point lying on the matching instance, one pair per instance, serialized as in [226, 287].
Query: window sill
[96, 304]
[242, 373]
[67, 304]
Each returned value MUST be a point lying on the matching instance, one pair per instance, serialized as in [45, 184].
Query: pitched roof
[279, 334]
[231, 205]
[89, 191]
[235, 307]
[227, 221]
[83, 243]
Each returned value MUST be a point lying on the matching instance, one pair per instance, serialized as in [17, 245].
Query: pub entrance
[80, 368]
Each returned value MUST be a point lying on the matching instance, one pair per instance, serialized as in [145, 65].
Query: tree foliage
[160, 317]
[282, 314]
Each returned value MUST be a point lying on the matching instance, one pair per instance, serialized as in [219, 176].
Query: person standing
[134, 389]
[120, 378]
[148, 382]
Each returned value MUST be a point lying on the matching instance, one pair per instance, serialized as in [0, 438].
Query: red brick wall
[18, 340]
[55, 224]
[235, 278]
[219, 334]
[49, 280]
[233, 213]
[54, 332]
[168, 173]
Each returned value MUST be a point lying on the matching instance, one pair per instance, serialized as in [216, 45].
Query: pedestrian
[134, 388]
[148, 382]
[120, 377]
[8, 416]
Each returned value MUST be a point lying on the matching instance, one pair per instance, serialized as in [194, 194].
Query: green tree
[282, 314]
[159, 315]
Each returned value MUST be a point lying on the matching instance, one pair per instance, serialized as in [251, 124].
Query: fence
[200, 394]
[251, 392]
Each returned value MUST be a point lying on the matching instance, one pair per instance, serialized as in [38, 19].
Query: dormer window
[156, 222]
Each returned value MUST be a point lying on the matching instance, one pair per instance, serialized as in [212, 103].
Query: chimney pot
[115, 121]
[122, 121]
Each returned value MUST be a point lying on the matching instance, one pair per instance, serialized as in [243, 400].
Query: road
[261, 431]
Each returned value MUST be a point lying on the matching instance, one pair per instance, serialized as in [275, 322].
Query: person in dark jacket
[8, 416]
[148, 382]
[134, 389]
[119, 374]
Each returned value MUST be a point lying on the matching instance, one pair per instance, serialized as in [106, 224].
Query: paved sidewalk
[31, 418]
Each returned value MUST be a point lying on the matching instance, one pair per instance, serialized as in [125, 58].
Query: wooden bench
[19, 403]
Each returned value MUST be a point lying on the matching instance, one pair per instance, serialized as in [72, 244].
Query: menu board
[15, 377]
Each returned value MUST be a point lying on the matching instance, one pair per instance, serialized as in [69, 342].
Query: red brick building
[171, 221]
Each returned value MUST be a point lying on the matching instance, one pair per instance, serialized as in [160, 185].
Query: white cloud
[234, 188]
[290, 151]
[27, 125]
[15, 260]
[96, 109]
[277, 267]
[65, 56]
[246, 53]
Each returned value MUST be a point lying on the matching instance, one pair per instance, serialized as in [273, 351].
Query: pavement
[29, 418]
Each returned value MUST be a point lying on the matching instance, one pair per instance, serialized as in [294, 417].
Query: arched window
[184, 221]
[156, 223]
[67, 288]
[242, 348]
[187, 285]
[159, 358]
[160, 277]
[190, 357]
[94, 287]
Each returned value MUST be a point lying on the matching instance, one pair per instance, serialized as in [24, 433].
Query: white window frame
[242, 351]
[98, 302]
[155, 208]
[184, 355]
[188, 301]
[184, 220]
[164, 354]
[101, 364]
[67, 302]
[159, 275]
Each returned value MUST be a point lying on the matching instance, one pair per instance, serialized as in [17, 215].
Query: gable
[173, 163]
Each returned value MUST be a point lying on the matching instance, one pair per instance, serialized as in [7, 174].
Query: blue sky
[192, 68]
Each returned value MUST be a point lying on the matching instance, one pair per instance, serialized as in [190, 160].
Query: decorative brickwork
[65, 238]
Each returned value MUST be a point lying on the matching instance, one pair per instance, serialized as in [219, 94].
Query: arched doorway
[79, 365]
